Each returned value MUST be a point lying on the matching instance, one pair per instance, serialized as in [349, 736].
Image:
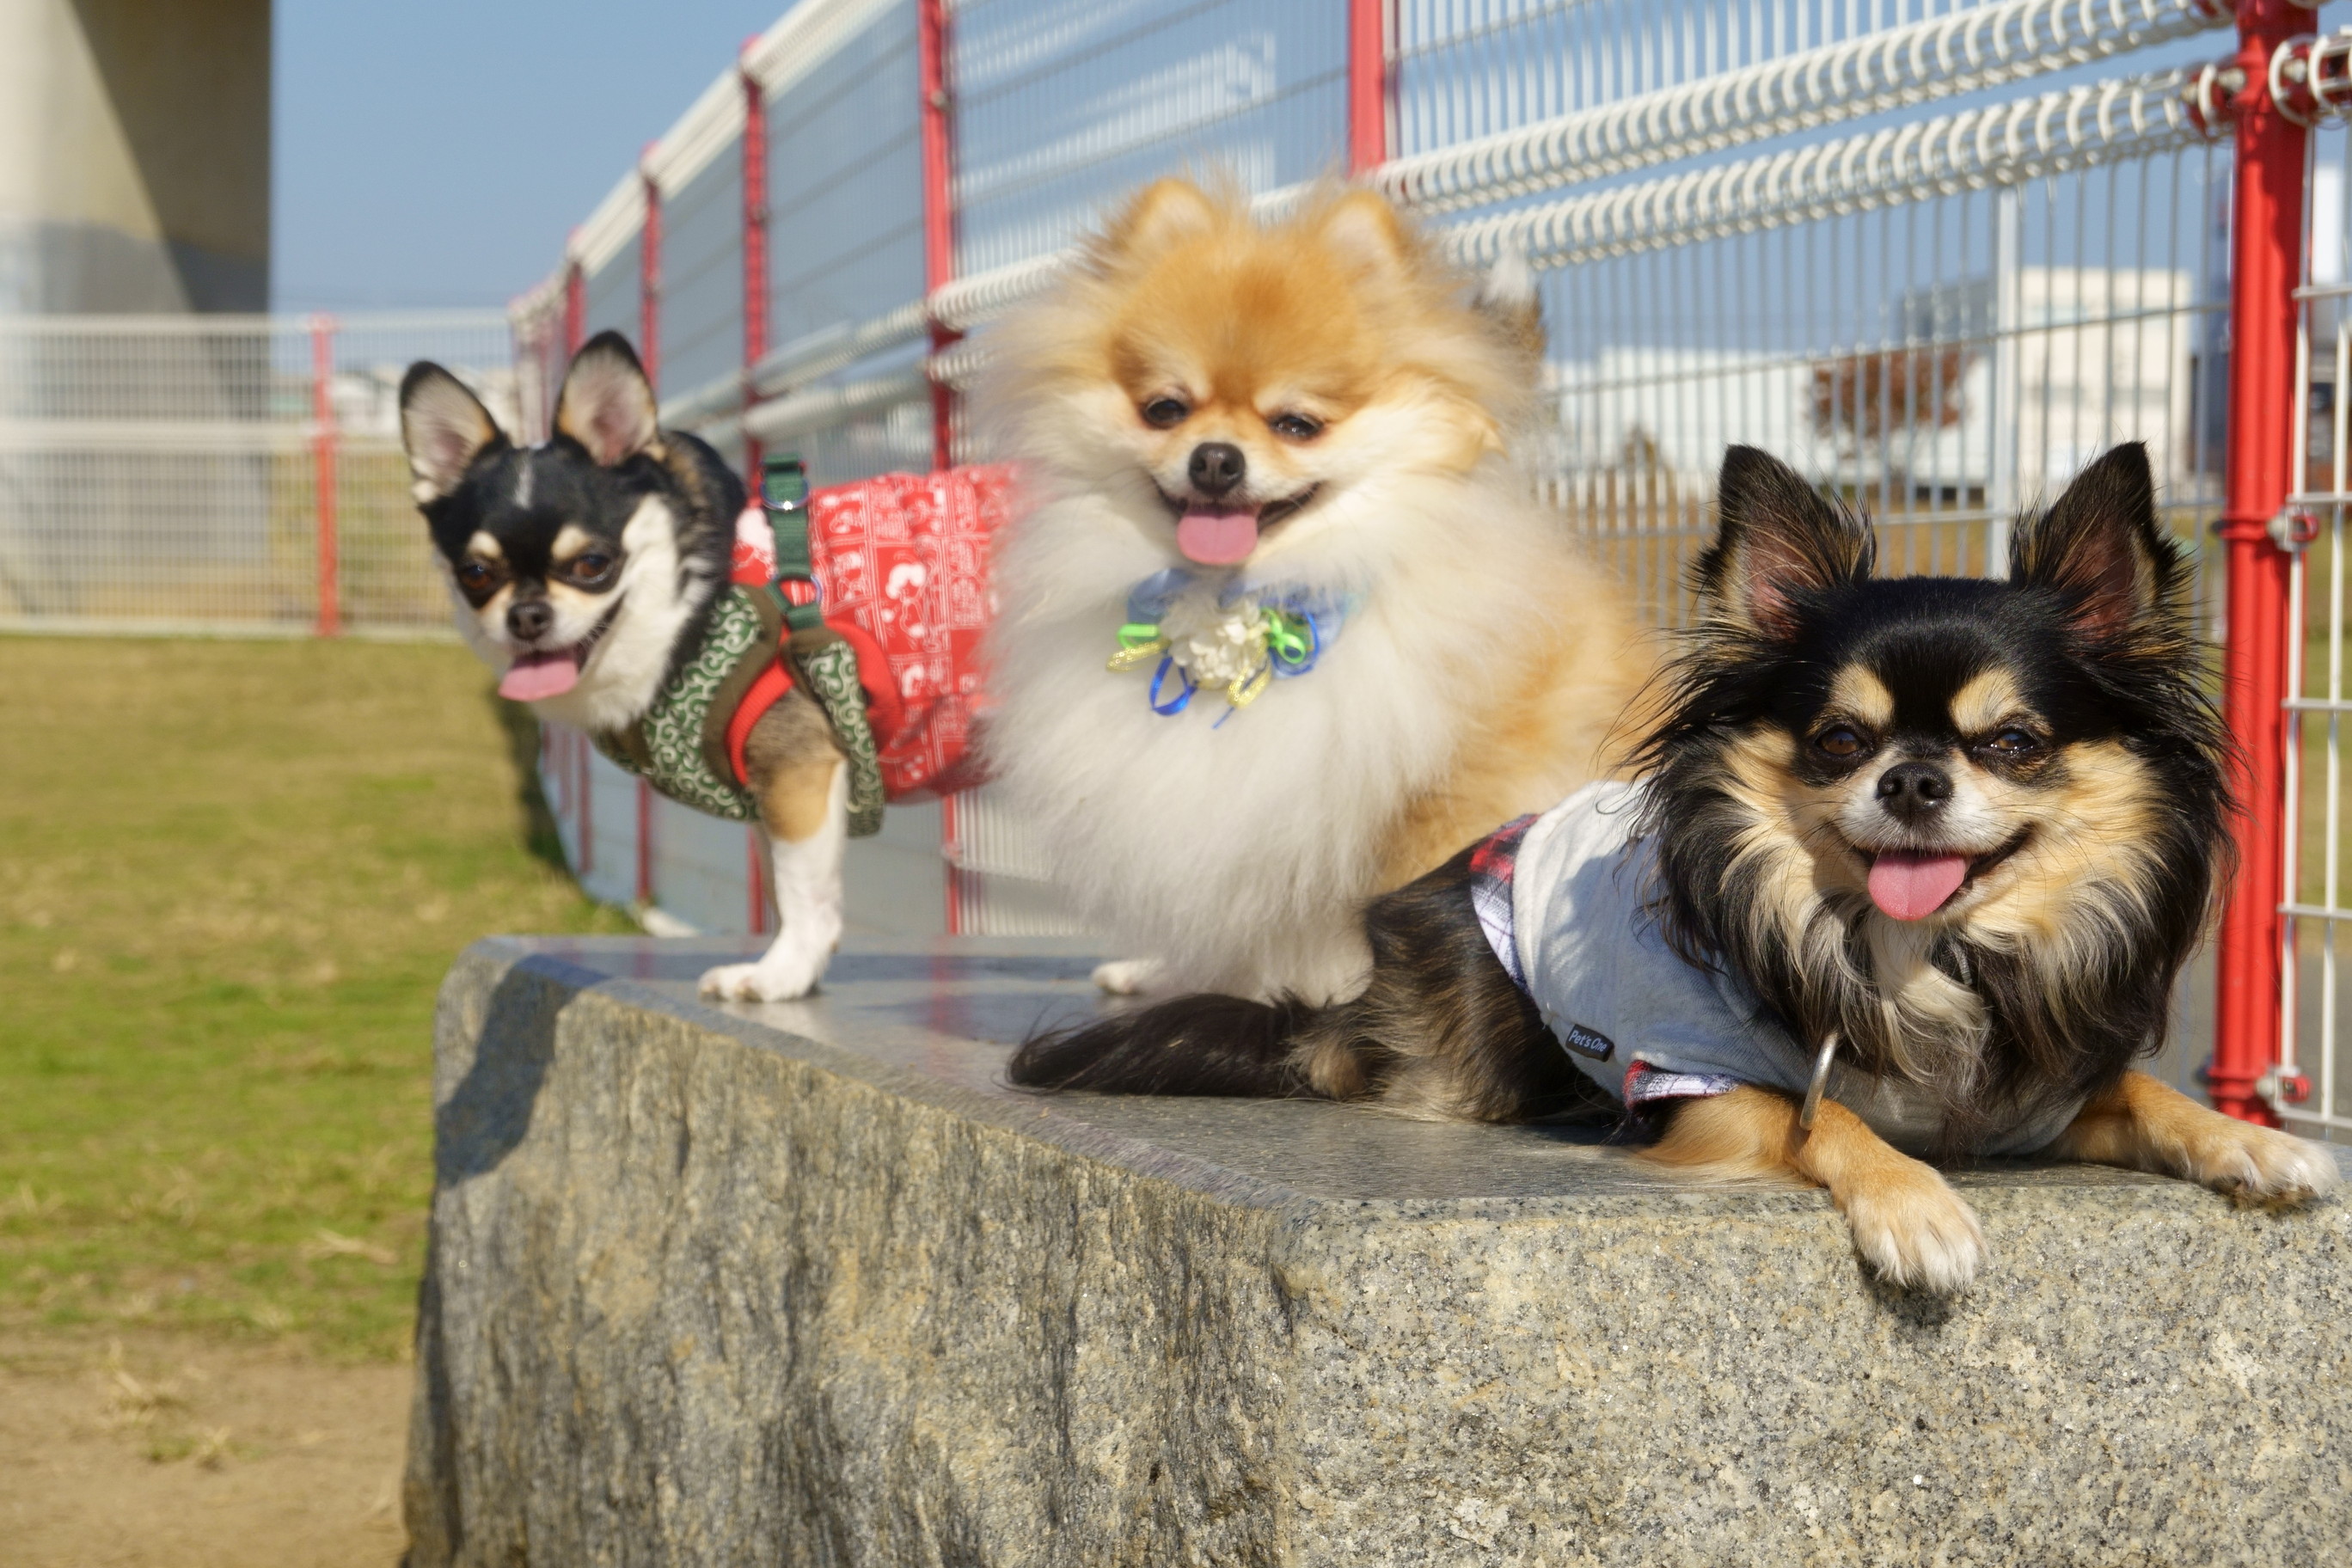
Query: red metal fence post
[2265, 266]
[755, 345]
[755, 246]
[649, 243]
[330, 622]
[939, 269]
[939, 202]
[575, 309]
[1368, 84]
[576, 332]
[649, 280]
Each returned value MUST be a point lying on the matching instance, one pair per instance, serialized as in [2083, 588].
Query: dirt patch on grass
[170, 1449]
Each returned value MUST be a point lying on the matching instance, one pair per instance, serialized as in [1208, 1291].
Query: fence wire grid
[1937, 253]
[163, 474]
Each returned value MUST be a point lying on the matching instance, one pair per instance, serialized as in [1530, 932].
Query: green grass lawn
[231, 876]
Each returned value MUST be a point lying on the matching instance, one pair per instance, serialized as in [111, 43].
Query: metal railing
[2312, 1081]
[1939, 253]
[222, 474]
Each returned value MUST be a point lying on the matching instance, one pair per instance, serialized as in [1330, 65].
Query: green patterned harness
[679, 745]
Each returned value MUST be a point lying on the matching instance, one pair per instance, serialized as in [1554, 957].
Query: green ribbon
[1286, 639]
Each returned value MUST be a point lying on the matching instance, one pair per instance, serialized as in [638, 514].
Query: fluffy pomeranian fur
[1317, 405]
[1972, 827]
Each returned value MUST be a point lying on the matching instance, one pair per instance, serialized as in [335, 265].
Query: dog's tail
[1207, 1044]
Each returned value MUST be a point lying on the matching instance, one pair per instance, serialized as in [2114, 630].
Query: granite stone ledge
[804, 1284]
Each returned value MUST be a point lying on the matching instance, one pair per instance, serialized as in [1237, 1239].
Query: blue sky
[434, 152]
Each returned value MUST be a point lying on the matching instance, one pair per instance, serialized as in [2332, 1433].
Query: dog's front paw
[1915, 1232]
[1128, 976]
[766, 981]
[2258, 1164]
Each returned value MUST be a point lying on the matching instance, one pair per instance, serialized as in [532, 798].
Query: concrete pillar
[134, 155]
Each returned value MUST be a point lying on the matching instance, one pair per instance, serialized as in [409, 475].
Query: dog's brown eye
[1841, 743]
[592, 566]
[1295, 427]
[1165, 413]
[2011, 744]
[474, 574]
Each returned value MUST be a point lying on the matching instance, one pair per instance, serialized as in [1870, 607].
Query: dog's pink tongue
[1217, 537]
[538, 675]
[1912, 886]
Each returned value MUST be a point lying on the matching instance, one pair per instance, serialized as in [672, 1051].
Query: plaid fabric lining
[1646, 1085]
[1491, 866]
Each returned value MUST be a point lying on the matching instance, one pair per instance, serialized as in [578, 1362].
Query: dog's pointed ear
[1779, 542]
[607, 404]
[1509, 300]
[444, 427]
[1367, 233]
[2100, 550]
[1163, 213]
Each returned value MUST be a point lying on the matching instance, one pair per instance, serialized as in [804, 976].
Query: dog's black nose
[527, 620]
[1910, 791]
[1217, 466]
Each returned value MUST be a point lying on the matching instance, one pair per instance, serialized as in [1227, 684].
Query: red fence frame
[576, 332]
[649, 281]
[2265, 265]
[754, 169]
[1368, 84]
[323, 451]
[939, 270]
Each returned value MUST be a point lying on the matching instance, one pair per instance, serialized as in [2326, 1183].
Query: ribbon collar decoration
[1242, 641]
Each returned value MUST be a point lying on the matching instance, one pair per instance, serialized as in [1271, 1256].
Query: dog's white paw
[1128, 976]
[1916, 1233]
[778, 977]
[2259, 1164]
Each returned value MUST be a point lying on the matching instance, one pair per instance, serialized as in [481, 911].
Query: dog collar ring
[1821, 1081]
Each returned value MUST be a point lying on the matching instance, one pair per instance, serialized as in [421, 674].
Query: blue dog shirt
[1563, 900]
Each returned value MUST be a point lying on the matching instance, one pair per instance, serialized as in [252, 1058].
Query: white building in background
[1966, 398]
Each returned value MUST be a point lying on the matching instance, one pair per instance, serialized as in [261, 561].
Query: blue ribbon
[1175, 704]
[1148, 600]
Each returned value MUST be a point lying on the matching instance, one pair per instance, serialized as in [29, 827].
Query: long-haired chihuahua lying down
[1963, 834]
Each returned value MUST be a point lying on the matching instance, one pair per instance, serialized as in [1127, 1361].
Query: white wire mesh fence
[164, 474]
[2314, 1077]
[1938, 253]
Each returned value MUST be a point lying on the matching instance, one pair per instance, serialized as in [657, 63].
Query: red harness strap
[886, 710]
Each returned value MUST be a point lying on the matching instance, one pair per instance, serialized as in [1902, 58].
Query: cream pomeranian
[1281, 627]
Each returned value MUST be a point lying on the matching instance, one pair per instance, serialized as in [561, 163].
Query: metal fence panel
[702, 276]
[2317, 1071]
[1754, 220]
[162, 473]
[1943, 362]
[1063, 107]
[615, 292]
[845, 185]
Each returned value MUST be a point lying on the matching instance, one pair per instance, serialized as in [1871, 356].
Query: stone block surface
[804, 1284]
